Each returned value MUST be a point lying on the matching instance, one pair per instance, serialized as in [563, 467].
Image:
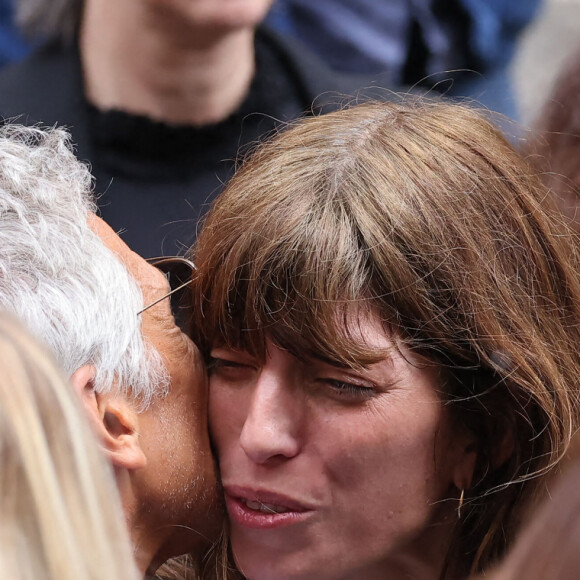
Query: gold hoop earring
[460, 505]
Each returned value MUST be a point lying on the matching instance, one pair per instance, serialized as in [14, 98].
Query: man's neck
[144, 548]
[154, 545]
[136, 62]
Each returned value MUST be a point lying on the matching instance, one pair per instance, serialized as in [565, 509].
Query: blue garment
[12, 45]
[496, 25]
[361, 35]
[415, 41]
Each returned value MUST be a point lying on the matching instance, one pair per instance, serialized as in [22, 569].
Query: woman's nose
[272, 426]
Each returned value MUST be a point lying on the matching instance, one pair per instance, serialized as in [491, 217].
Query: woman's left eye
[350, 390]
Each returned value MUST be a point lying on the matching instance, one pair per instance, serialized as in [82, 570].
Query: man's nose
[271, 431]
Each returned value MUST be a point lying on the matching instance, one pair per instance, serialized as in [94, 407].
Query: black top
[157, 179]
[153, 180]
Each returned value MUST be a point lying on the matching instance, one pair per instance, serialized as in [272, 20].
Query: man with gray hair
[78, 288]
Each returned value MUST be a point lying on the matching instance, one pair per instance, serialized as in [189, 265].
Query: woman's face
[324, 468]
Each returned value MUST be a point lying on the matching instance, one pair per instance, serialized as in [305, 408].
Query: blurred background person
[60, 513]
[541, 52]
[160, 95]
[476, 34]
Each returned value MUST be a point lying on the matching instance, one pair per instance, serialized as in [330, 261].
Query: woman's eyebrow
[382, 355]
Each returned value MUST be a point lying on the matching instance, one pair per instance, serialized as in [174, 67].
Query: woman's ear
[504, 448]
[465, 466]
[500, 452]
[114, 421]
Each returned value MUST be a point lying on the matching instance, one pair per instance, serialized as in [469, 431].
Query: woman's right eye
[230, 366]
[221, 363]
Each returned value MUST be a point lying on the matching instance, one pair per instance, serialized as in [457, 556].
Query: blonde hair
[60, 514]
[423, 214]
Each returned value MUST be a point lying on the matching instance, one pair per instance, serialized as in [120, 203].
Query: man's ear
[114, 421]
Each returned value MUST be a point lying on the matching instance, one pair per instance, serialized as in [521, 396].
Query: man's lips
[264, 509]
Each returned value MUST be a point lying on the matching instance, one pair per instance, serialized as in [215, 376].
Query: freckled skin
[370, 464]
[177, 488]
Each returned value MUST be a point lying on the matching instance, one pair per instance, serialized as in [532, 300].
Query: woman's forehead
[347, 336]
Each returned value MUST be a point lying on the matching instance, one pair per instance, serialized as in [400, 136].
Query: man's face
[177, 488]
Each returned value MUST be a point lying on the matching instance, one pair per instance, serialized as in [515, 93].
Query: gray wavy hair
[58, 276]
[49, 19]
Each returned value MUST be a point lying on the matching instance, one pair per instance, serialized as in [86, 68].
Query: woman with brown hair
[391, 319]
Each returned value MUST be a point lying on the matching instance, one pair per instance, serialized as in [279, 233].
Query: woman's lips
[261, 509]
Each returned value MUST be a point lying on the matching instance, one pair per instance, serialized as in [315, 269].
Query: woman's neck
[419, 558]
[136, 61]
